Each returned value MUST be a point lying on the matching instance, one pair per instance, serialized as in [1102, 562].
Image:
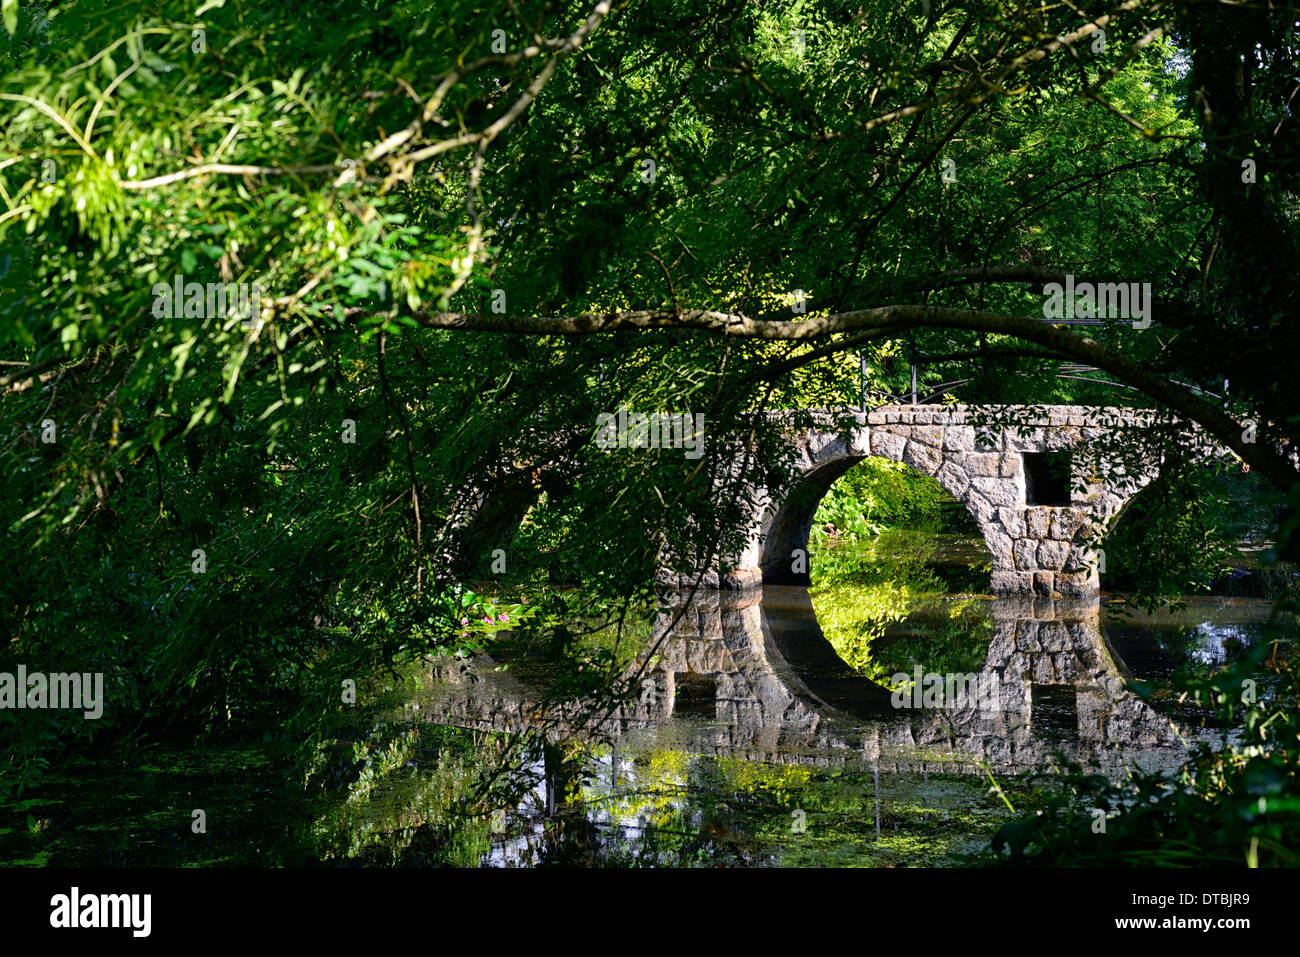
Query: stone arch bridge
[1042, 482]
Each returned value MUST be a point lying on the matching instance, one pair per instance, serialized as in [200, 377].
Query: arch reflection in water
[748, 674]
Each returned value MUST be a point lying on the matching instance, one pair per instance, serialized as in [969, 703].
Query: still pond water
[757, 729]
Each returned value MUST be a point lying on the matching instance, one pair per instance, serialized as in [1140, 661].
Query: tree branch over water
[896, 318]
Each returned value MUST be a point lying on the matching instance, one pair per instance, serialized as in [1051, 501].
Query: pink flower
[464, 621]
[503, 617]
[488, 620]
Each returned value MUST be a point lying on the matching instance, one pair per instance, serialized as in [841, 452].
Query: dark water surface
[761, 728]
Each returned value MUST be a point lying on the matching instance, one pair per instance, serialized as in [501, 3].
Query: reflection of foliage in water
[670, 808]
[858, 593]
[661, 807]
[844, 817]
[134, 808]
[581, 655]
[1172, 651]
[954, 639]
[1201, 651]
[412, 794]
[421, 796]
[436, 795]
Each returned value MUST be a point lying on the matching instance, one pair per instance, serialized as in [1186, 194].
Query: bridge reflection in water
[748, 674]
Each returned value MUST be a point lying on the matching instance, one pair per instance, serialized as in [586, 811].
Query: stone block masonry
[980, 455]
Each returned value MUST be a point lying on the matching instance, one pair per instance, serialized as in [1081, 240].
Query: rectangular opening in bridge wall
[1047, 478]
[696, 694]
[1054, 711]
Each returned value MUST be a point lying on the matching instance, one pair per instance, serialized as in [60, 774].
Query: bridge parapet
[1055, 416]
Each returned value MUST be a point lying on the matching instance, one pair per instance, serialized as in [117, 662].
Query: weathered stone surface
[954, 479]
[1027, 636]
[1065, 522]
[1044, 672]
[999, 544]
[980, 507]
[1038, 520]
[1024, 440]
[998, 491]
[1045, 609]
[1013, 609]
[959, 438]
[1011, 582]
[1013, 521]
[923, 458]
[1062, 438]
[1051, 555]
[1079, 559]
[1025, 553]
[1066, 667]
[1076, 584]
[1053, 636]
[1043, 582]
[927, 435]
[981, 464]
[888, 445]
[826, 445]
[1001, 645]
[1107, 503]
[1078, 631]
[741, 579]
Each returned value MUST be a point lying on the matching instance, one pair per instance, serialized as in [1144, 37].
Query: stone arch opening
[784, 554]
[786, 535]
[1240, 506]
[899, 591]
[1047, 477]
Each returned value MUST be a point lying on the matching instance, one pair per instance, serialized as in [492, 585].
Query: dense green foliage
[878, 494]
[1178, 535]
[234, 516]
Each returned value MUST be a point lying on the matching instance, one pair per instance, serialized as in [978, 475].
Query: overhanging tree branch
[896, 318]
